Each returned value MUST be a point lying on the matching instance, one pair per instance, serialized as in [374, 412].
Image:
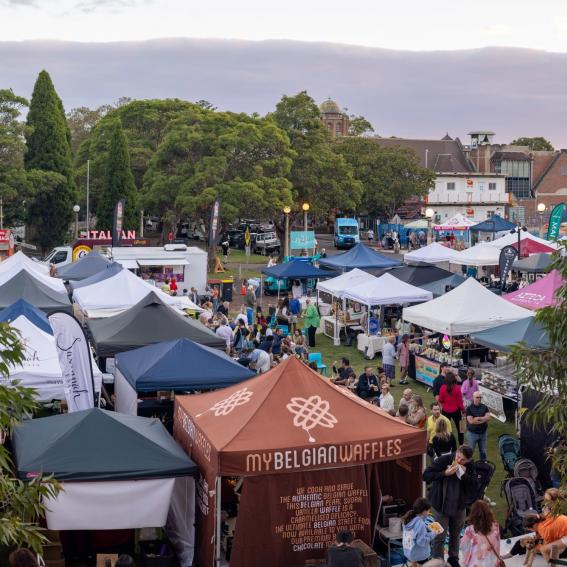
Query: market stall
[443, 286]
[534, 264]
[529, 243]
[164, 367]
[20, 260]
[455, 231]
[85, 267]
[361, 257]
[419, 275]
[45, 279]
[539, 294]
[110, 270]
[495, 224]
[433, 253]
[481, 254]
[291, 440]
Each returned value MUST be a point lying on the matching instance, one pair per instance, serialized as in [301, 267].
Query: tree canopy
[538, 143]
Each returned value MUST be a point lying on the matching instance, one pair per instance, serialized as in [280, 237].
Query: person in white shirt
[271, 262]
[261, 360]
[389, 358]
[296, 289]
[225, 332]
[386, 399]
[241, 316]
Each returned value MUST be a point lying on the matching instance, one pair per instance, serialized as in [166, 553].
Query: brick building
[334, 119]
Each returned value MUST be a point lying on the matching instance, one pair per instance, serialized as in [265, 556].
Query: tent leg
[218, 521]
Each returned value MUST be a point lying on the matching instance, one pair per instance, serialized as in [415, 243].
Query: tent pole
[218, 521]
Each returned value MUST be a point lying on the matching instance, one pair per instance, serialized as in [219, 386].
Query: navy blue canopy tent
[494, 224]
[503, 337]
[179, 365]
[31, 313]
[111, 269]
[85, 267]
[361, 257]
[296, 270]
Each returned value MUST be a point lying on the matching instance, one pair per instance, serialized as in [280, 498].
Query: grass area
[239, 266]
[495, 428]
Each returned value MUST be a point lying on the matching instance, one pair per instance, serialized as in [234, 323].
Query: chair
[318, 359]
[284, 328]
[272, 322]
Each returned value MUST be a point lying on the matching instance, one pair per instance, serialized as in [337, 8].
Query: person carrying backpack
[417, 538]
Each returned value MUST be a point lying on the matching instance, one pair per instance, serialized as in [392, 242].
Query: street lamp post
[305, 208]
[286, 211]
[76, 210]
[541, 210]
[429, 213]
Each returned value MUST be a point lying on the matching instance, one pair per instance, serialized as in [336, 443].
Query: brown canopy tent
[314, 457]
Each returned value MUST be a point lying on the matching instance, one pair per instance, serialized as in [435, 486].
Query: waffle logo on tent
[311, 412]
[224, 407]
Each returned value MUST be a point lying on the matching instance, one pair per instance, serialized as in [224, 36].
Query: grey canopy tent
[416, 275]
[111, 269]
[87, 266]
[442, 286]
[149, 321]
[527, 331]
[534, 264]
[25, 286]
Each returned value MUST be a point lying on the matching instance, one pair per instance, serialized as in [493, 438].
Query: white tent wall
[126, 396]
[180, 527]
[110, 505]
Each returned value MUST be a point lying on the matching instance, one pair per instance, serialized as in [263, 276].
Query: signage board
[302, 239]
[426, 370]
[494, 402]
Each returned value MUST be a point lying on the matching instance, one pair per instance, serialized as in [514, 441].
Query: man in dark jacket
[368, 387]
[453, 488]
[344, 554]
[440, 380]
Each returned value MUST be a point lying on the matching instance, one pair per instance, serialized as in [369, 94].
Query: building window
[338, 128]
[490, 214]
[492, 186]
[450, 185]
[564, 170]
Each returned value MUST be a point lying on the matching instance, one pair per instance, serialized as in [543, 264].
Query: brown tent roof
[288, 419]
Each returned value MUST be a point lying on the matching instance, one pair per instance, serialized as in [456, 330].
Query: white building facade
[477, 196]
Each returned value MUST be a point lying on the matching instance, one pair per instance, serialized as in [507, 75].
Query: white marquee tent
[120, 292]
[339, 285]
[387, 290]
[457, 222]
[464, 310]
[481, 254]
[19, 260]
[431, 254]
[512, 238]
[53, 283]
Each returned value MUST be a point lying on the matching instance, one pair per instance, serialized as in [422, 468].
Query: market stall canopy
[296, 270]
[534, 264]
[98, 445]
[482, 254]
[45, 279]
[26, 286]
[87, 266]
[529, 243]
[20, 260]
[457, 222]
[419, 275]
[179, 365]
[494, 224]
[291, 410]
[40, 369]
[149, 321]
[419, 223]
[360, 256]
[464, 310]
[110, 270]
[114, 295]
[439, 287]
[539, 294]
[387, 290]
[337, 286]
[502, 338]
[431, 254]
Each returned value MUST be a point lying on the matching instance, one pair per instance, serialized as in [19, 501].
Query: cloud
[88, 6]
[11, 3]
[496, 30]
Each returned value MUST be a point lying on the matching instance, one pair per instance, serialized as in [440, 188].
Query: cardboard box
[102, 558]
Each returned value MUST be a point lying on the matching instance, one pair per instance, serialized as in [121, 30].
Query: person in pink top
[480, 544]
[469, 387]
[451, 401]
[404, 357]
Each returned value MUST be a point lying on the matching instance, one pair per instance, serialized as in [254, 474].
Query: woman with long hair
[416, 539]
[451, 401]
[404, 358]
[443, 441]
[480, 544]
[469, 387]
[417, 415]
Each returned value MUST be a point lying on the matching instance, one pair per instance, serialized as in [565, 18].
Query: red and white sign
[469, 182]
[106, 234]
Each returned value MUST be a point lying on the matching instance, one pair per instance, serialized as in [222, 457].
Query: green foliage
[82, 120]
[118, 182]
[539, 143]
[545, 373]
[21, 501]
[389, 175]
[358, 125]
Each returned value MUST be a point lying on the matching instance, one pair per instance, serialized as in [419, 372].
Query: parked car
[153, 224]
[266, 243]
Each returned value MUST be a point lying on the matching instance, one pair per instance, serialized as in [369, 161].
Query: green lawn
[241, 267]
[495, 428]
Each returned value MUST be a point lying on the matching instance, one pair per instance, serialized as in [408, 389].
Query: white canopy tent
[19, 260]
[339, 285]
[457, 222]
[431, 254]
[482, 254]
[54, 283]
[464, 310]
[512, 238]
[120, 292]
[387, 290]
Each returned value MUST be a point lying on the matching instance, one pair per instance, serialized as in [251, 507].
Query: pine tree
[49, 151]
[118, 182]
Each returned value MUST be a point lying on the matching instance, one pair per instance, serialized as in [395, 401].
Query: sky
[414, 25]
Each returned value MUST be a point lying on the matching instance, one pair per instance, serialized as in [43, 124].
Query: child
[416, 536]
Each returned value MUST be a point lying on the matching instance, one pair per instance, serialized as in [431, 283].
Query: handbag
[500, 562]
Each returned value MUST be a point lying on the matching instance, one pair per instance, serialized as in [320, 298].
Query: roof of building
[511, 156]
[330, 107]
[447, 137]
[549, 167]
[443, 156]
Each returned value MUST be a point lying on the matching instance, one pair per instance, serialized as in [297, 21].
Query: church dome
[330, 107]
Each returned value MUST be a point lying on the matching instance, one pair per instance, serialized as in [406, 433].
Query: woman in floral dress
[480, 544]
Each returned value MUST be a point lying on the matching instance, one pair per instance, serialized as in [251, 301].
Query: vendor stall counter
[329, 322]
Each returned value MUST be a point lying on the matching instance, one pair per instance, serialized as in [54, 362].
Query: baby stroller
[484, 471]
[522, 501]
[526, 468]
[509, 448]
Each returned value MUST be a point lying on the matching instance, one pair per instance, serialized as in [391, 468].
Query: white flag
[75, 361]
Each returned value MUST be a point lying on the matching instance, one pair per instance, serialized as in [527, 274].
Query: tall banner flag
[507, 256]
[75, 361]
[555, 221]
[215, 222]
[118, 223]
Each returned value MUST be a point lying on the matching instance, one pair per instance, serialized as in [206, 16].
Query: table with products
[371, 345]
[331, 324]
[499, 391]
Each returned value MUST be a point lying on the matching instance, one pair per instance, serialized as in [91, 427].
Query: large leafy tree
[14, 186]
[538, 143]
[82, 120]
[21, 502]
[545, 373]
[49, 150]
[204, 155]
[389, 176]
[118, 182]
